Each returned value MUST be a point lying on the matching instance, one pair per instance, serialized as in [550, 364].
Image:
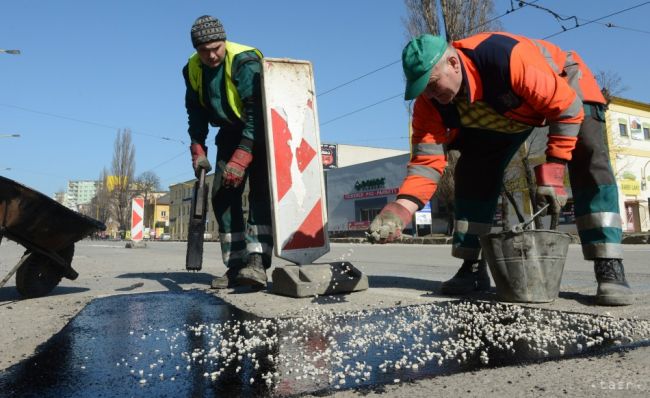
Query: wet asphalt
[193, 344]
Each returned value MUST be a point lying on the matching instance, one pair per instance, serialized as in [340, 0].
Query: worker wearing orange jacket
[482, 96]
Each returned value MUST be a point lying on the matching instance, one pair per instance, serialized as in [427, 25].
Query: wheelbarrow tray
[39, 222]
[48, 230]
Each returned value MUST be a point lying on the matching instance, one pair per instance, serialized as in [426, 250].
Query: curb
[628, 239]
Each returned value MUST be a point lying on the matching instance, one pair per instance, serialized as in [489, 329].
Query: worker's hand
[199, 161]
[550, 186]
[388, 225]
[233, 173]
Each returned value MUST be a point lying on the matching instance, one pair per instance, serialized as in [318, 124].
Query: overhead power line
[362, 109]
[513, 9]
[89, 122]
[611, 25]
[358, 78]
[576, 20]
[167, 161]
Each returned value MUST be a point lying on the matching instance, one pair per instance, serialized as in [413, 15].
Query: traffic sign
[295, 166]
[137, 214]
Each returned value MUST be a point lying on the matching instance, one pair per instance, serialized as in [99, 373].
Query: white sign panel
[295, 166]
[423, 216]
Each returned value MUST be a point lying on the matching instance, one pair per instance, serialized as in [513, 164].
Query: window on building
[163, 213]
[367, 209]
[368, 214]
[622, 128]
[646, 133]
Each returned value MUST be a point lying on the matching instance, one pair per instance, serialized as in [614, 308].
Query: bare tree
[145, 184]
[122, 169]
[611, 84]
[462, 18]
[100, 204]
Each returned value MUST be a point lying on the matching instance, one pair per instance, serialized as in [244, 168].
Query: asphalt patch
[175, 344]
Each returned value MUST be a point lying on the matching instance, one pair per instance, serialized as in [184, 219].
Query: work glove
[233, 173]
[199, 161]
[550, 186]
[388, 225]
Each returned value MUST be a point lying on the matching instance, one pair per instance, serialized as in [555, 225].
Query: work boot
[229, 279]
[472, 276]
[612, 286]
[254, 273]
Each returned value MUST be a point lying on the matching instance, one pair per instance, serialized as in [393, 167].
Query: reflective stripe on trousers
[594, 190]
[255, 235]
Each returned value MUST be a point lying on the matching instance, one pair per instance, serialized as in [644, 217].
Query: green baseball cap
[418, 58]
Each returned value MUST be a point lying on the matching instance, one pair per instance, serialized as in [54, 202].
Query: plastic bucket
[526, 265]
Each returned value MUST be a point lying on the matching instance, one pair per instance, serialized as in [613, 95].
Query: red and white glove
[550, 186]
[199, 160]
[388, 224]
[235, 170]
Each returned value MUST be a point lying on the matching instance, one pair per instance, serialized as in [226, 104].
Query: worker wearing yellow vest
[223, 89]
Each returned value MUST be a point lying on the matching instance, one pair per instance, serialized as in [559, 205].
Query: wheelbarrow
[48, 230]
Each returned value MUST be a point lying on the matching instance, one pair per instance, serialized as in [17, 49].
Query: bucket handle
[521, 226]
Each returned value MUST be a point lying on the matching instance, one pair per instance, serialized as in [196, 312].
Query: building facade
[78, 193]
[357, 193]
[157, 215]
[180, 202]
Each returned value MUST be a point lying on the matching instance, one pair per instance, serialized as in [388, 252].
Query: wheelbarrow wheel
[38, 274]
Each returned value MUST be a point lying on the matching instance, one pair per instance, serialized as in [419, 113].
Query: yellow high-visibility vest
[196, 75]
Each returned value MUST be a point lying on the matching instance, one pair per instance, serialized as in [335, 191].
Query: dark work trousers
[479, 177]
[239, 238]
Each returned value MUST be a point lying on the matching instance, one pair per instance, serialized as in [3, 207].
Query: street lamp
[9, 135]
[14, 52]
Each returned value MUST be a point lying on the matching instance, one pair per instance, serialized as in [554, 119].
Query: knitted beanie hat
[207, 29]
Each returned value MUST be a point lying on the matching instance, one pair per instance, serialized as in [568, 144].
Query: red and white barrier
[295, 167]
[137, 215]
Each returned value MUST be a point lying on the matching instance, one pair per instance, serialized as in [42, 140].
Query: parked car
[165, 237]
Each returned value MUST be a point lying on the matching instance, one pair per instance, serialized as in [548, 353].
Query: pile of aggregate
[322, 351]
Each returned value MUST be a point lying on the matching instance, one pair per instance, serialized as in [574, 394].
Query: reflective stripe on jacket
[519, 78]
[195, 74]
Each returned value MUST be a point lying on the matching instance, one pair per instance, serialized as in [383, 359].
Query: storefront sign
[374, 183]
[358, 225]
[630, 187]
[370, 194]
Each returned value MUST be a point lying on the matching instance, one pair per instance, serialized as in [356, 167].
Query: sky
[90, 68]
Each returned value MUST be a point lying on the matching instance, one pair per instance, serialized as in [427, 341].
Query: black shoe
[254, 273]
[472, 276]
[229, 279]
[612, 286]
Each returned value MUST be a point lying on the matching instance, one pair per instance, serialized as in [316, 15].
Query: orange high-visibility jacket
[522, 81]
